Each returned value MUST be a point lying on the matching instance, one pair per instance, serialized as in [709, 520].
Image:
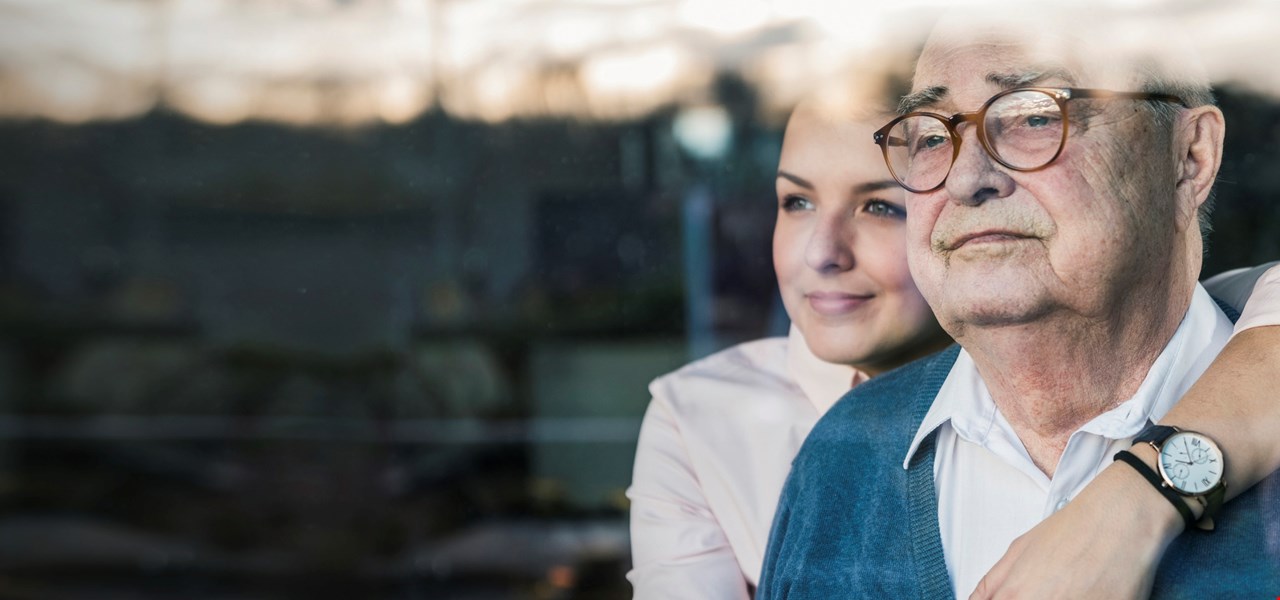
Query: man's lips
[834, 304]
[988, 236]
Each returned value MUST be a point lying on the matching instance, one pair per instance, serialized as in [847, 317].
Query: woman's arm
[1108, 541]
[678, 549]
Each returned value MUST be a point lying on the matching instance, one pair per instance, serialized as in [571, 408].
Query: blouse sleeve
[678, 549]
[1254, 291]
[1263, 307]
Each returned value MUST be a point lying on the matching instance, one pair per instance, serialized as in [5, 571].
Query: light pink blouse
[1263, 307]
[715, 448]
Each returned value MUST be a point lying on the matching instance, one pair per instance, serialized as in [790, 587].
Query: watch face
[1191, 462]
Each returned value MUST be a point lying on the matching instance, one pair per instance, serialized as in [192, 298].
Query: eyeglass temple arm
[1095, 93]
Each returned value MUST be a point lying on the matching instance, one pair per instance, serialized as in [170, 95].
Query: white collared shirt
[989, 490]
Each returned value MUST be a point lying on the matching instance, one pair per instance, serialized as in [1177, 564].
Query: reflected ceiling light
[217, 100]
[491, 95]
[401, 98]
[786, 73]
[632, 82]
[705, 132]
[631, 71]
[296, 104]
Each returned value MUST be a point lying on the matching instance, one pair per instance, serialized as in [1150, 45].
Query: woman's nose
[830, 245]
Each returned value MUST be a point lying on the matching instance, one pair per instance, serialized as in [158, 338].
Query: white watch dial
[1191, 462]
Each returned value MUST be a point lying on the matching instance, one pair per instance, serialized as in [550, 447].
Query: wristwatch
[1190, 464]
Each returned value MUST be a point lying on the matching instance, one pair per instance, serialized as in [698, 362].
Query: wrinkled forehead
[1039, 47]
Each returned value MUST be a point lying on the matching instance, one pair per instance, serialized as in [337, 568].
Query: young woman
[719, 435]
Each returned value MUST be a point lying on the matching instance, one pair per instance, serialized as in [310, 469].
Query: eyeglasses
[1023, 129]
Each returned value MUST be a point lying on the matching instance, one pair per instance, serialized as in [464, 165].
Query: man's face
[998, 247]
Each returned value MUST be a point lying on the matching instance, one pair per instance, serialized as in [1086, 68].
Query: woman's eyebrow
[800, 181]
[875, 186]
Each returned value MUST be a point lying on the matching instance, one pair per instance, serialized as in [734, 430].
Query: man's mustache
[951, 232]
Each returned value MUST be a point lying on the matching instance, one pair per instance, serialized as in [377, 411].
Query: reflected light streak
[280, 41]
[322, 61]
[568, 35]
[643, 22]
[1239, 46]
[725, 19]
[77, 61]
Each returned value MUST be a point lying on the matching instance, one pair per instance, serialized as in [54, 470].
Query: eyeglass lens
[1023, 130]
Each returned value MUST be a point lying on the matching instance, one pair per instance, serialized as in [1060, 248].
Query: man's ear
[1198, 143]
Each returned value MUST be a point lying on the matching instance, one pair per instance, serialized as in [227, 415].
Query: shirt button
[1062, 504]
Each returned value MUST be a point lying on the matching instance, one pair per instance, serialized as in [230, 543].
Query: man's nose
[975, 176]
[830, 245]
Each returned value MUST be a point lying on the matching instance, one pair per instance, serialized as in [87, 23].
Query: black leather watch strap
[1155, 433]
[1154, 478]
[1212, 503]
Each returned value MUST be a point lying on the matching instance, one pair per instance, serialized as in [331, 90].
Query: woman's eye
[881, 208]
[796, 203]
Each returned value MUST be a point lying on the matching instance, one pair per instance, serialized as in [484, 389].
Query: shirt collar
[965, 402]
[822, 382]
[962, 394]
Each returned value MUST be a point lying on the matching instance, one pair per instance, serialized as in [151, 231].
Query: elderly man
[1054, 228]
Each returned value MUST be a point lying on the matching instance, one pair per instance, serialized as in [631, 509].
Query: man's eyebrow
[922, 99]
[800, 181]
[1009, 81]
[931, 96]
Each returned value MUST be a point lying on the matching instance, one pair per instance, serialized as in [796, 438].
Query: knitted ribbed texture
[1231, 313]
[926, 542]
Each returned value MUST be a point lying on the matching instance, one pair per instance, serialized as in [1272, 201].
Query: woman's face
[839, 248]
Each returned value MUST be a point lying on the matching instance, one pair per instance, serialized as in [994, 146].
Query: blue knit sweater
[852, 523]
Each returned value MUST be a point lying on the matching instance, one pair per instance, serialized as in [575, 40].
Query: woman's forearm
[1237, 403]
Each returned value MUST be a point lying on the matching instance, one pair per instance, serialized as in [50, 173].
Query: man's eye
[795, 203]
[881, 208]
[929, 142]
[1039, 121]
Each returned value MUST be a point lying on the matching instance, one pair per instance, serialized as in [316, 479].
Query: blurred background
[360, 298]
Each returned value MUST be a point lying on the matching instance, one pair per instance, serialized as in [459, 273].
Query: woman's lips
[834, 304]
